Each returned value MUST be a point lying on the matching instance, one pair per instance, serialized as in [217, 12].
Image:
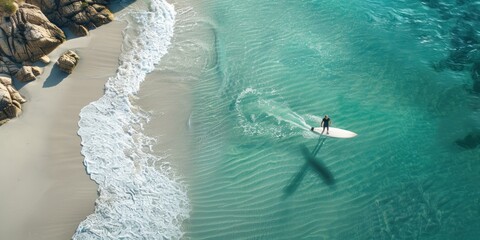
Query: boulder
[15, 95]
[78, 30]
[5, 98]
[98, 7]
[10, 100]
[4, 80]
[7, 66]
[66, 2]
[68, 61]
[81, 18]
[12, 110]
[28, 73]
[77, 15]
[28, 35]
[45, 59]
[70, 10]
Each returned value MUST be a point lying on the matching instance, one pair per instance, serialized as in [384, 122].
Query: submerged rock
[68, 61]
[471, 141]
[10, 100]
[476, 77]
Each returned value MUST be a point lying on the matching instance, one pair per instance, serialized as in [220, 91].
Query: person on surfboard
[325, 123]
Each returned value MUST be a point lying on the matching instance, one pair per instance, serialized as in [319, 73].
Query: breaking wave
[139, 195]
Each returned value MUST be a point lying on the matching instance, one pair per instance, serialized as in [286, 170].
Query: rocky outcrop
[10, 100]
[29, 31]
[68, 61]
[77, 15]
[28, 73]
[27, 35]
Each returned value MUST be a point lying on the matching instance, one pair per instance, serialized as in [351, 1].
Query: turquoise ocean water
[404, 75]
[396, 72]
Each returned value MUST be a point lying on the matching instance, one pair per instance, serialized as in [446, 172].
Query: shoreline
[118, 159]
[47, 190]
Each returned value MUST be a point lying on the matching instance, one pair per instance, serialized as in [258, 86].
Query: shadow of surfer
[320, 168]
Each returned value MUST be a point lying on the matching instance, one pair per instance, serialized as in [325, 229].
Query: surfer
[325, 123]
[336, 132]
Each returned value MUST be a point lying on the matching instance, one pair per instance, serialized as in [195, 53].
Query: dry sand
[45, 191]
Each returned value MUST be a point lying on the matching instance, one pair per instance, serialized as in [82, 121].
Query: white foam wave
[260, 114]
[139, 197]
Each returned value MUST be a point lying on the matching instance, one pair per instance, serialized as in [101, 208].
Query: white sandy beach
[45, 189]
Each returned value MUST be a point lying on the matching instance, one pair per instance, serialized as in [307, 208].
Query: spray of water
[260, 114]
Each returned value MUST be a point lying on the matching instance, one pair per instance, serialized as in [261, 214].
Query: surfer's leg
[327, 130]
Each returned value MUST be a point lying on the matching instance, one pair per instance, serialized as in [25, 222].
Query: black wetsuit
[325, 123]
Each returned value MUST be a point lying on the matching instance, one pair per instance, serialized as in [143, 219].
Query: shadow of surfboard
[311, 163]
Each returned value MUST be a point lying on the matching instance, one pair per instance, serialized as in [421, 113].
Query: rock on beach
[68, 61]
[10, 100]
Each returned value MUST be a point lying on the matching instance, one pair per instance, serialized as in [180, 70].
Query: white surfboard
[334, 132]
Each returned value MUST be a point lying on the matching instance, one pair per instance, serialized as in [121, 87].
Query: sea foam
[139, 196]
[258, 113]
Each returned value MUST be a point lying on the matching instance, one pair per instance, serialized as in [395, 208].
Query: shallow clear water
[391, 71]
